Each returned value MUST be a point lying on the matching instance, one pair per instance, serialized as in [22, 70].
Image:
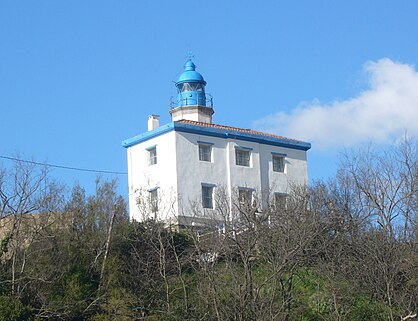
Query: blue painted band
[243, 148]
[208, 185]
[204, 143]
[151, 147]
[216, 132]
[153, 189]
[229, 133]
[148, 135]
[279, 154]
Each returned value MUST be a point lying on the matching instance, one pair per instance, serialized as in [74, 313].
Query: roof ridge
[248, 130]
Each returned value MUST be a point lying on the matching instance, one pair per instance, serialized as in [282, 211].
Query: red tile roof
[241, 130]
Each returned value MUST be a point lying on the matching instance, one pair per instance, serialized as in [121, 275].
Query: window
[153, 200]
[191, 86]
[205, 152]
[280, 201]
[207, 196]
[242, 157]
[152, 156]
[245, 196]
[200, 87]
[278, 163]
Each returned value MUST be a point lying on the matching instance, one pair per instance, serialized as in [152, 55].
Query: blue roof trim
[243, 148]
[204, 143]
[151, 147]
[278, 154]
[216, 132]
[148, 135]
[228, 133]
[208, 185]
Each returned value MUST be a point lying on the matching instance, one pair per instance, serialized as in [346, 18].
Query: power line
[63, 167]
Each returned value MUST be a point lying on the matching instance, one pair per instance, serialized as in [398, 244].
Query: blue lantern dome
[190, 74]
[190, 87]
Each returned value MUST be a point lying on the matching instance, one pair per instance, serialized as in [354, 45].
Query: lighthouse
[176, 170]
[192, 102]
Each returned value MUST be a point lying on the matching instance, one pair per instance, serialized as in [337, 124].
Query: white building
[175, 170]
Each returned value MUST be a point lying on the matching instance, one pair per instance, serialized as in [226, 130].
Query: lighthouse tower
[192, 103]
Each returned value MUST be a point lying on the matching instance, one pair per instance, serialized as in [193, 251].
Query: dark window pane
[207, 197]
[242, 157]
[278, 163]
[153, 195]
[152, 156]
[205, 153]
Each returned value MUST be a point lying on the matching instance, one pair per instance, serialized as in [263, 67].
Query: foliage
[12, 309]
[341, 250]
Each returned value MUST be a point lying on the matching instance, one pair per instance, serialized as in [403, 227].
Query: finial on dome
[189, 66]
[190, 55]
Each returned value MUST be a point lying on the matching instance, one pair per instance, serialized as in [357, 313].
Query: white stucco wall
[143, 177]
[192, 173]
[179, 174]
[223, 171]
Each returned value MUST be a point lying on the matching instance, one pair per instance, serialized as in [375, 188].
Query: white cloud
[384, 111]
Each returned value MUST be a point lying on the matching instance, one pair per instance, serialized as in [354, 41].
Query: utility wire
[63, 167]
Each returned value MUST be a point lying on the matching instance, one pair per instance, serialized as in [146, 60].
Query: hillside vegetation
[345, 249]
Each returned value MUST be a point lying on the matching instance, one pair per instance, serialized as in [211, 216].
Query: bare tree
[248, 255]
[28, 199]
[386, 184]
[369, 211]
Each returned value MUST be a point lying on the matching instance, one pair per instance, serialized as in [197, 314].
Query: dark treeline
[345, 249]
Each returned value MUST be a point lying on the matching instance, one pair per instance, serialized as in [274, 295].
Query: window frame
[152, 155]
[282, 157]
[210, 188]
[280, 200]
[205, 145]
[242, 151]
[153, 199]
[246, 200]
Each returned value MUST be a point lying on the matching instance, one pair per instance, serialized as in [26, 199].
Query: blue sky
[78, 77]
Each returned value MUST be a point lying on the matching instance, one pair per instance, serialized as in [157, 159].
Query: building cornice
[226, 133]
[148, 135]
